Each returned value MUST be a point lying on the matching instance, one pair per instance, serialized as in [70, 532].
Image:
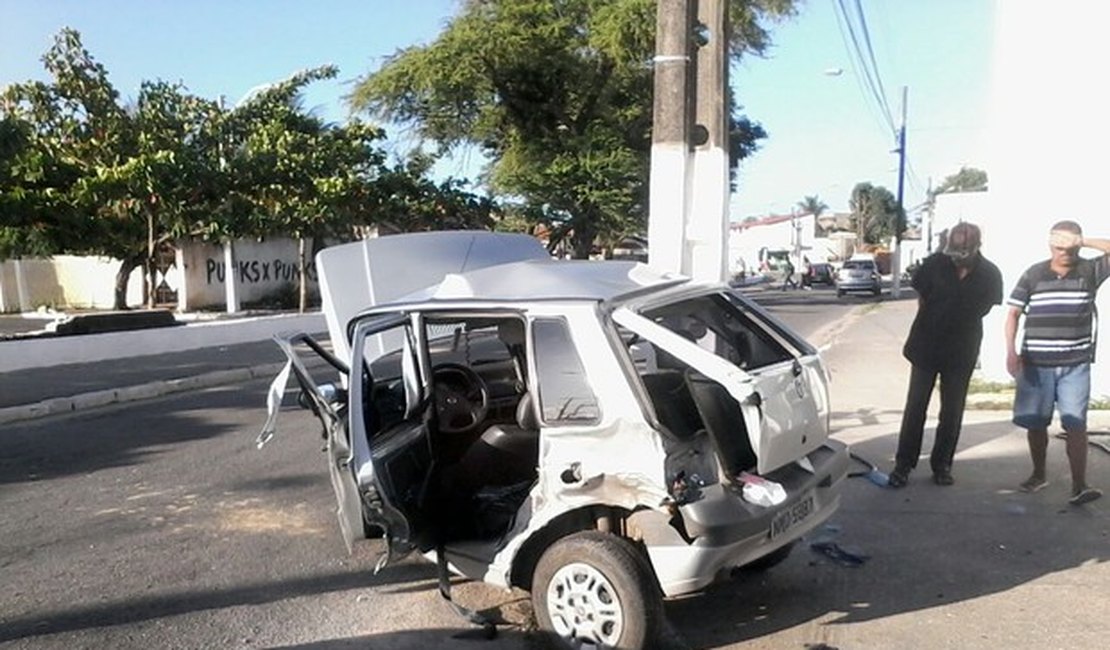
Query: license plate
[793, 515]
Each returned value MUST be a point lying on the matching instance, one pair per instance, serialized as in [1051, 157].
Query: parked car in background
[598, 433]
[859, 274]
[819, 273]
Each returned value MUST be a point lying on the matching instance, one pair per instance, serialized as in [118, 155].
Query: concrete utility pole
[688, 223]
[896, 267]
[929, 204]
[669, 135]
[231, 275]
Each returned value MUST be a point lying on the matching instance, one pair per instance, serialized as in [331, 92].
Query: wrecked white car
[597, 433]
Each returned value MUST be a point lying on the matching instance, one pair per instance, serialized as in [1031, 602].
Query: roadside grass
[978, 385]
[999, 395]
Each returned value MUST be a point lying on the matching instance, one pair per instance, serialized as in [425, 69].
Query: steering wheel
[462, 398]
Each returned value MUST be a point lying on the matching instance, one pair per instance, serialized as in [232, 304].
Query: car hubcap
[583, 606]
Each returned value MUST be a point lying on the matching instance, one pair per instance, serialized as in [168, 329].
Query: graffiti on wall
[255, 271]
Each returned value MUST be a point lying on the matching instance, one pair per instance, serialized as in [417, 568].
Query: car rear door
[781, 391]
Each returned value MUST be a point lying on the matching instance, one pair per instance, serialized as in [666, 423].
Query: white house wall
[1038, 177]
[746, 242]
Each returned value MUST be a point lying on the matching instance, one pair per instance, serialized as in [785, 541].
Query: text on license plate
[793, 515]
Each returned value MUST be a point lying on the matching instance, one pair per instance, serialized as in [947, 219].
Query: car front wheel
[593, 589]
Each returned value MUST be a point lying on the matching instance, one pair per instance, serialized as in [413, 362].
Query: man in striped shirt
[1053, 369]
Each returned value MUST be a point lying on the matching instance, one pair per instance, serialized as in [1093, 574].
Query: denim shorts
[1039, 388]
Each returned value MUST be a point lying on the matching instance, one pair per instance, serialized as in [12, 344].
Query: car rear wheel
[594, 589]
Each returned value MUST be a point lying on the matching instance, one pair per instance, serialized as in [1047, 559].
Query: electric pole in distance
[900, 218]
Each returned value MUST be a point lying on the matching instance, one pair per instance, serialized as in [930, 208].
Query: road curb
[96, 399]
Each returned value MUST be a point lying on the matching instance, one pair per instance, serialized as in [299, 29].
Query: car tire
[596, 586]
[772, 559]
[839, 293]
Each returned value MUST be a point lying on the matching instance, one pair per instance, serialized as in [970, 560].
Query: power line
[871, 57]
[855, 55]
[859, 75]
[867, 72]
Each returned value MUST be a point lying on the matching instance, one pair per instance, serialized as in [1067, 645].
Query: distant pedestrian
[1053, 369]
[956, 287]
[788, 277]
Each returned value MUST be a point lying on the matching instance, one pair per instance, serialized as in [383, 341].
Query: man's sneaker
[1033, 484]
[898, 478]
[943, 477]
[1086, 495]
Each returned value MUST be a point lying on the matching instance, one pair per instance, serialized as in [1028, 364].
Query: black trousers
[953, 398]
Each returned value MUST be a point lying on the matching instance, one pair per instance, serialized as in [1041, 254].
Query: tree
[875, 213]
[558, 96]
[99, 177]
[83, 173]
[813, 205]
[968, 179]
[33, 213]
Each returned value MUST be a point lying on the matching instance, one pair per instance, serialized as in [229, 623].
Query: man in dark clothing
[1053, 368]
[956, 288]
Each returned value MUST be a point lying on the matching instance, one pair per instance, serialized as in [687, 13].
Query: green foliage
[875, 213]
[82, 173]
[968, 179]
[815, 206]
[558, 96]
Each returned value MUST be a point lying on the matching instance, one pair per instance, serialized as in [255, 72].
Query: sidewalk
[66, 374]
[868, 390]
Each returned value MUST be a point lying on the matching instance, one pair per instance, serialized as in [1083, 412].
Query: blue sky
[825, 133]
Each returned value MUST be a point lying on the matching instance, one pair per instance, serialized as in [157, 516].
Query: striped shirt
[1059, 311]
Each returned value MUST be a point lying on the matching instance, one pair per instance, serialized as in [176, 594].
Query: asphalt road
[159, 524]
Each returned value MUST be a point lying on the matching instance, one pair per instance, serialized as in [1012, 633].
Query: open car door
[362, 501]
[329, 406]
[390, 455]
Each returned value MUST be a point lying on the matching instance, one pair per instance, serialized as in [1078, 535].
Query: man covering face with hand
[956, 288]
[1053, 366]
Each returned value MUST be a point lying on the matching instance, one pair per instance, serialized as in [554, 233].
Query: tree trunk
[151, 283]
[122, 276]
[149, 267]
[584, 235]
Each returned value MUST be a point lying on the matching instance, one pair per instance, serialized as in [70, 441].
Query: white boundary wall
[262, 268]
[66, 282]
[63, 281]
